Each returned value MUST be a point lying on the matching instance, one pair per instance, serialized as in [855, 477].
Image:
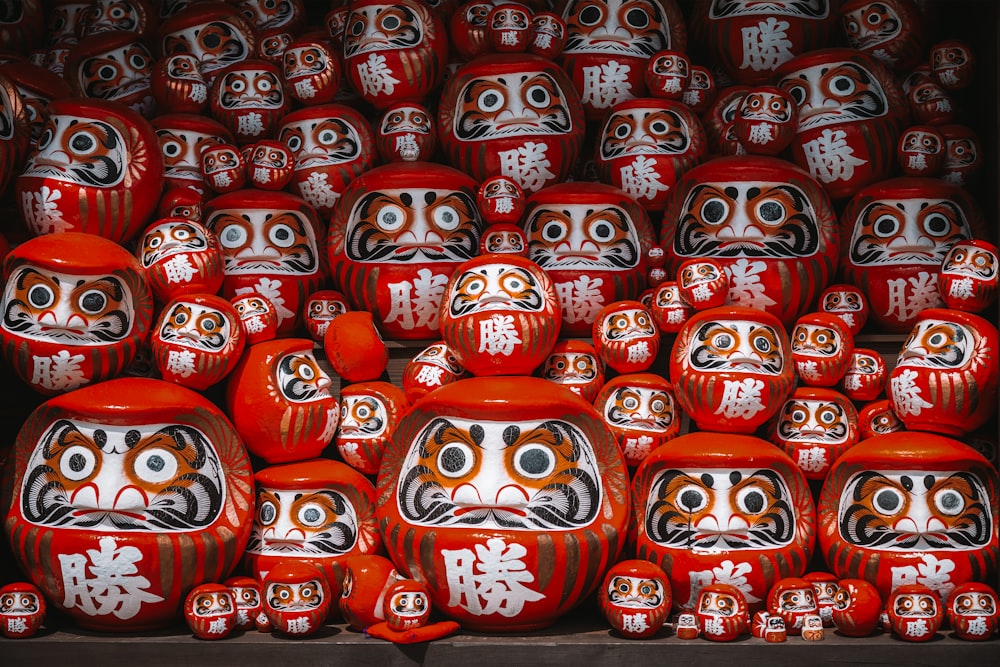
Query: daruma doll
[503, 478]
[120, 498]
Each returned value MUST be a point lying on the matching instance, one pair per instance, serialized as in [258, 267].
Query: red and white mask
[969, 275]
[210, 611]
[915, 612]
[312, 72]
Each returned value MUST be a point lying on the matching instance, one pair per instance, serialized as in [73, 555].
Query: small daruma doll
[895, 236]
[594, 241]
[180, 257]
[716, 509]
[641, 411]
[271, 165]
[822, 345]
[432, 367]
[766, 120]
[702, 283]
[848, 303]
[22, 610]
[249, 99]
[910, 507]
[139, 475]
[406, 133]
[625, 337]
[731, 368]
[866, 375]
[921, 151]
[635, 598]
[396, 237]
[575, 364]
[500, 315]
[322, 306]
[768, 223]
[369, 412]
[210, 611]
[394, 52]
[217, 34]
[915, 612]
[969, 275]
[793, 599]
[668, 74]
[223, 168]
[197, 340]
[258, 317]
[514, 114]
[317, 511]
[815, 426]
[722, 612]
[945, 377]
[248, 594]
[177, 84]
[280, 401]
[96, 168]
[973, 612]
[311, 71]
[511, 468]
[856, 607]
[76, 310]
[297, 598]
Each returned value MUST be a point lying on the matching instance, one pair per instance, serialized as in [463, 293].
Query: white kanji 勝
[581, 299]
[766, 45]
[640, 178]
[932, 572]
[305, 89]
[727, 572]
[909, 296]
[812, 459]
[906, 394]
[528, 165]
[830, 158]
[317, 191]
[636, 622]
[41, 211]
[492, 579]
[298, 626]
[105, 581]
[713, 626]
[637, 449]
[261, 175]
[376, 76]
[606, 85]
[181, 363]
[741, 399]
[917, 628]
[250, 125]
[429, 376]
[745, 286]
[178, 269]
[221, 180]
[638, 352]
[416, 304]
[218, 626]
[271, 290]
[761, 133]
[498, 335]
[58, 372]
[961, 288]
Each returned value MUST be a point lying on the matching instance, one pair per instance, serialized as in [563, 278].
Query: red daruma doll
[505, 478]
[122, 497]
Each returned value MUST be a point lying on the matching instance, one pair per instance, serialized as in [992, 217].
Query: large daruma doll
[723, 509]
[396, 236]
[514, 114]
[769, 224]
[594, 241]
[96, 168]
[910, 508]
[121, 497]
[503, 479]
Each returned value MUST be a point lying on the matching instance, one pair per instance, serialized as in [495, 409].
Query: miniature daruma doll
[792, 598]
[216, 34]
[846, 302]
[396, 236]
[945, 377]
[139, 473]
[280, 401]
[406, 133]
[22, 610]
[506, 468]
[731, 368]
[920, 151]
[856, 607]
[973, 612]
[575, 364]
[249, 601]
[822, 346]
[197, 340]
[430, 368]
[641, 411]
[76, 309]
[625, 336]
[316, 511]
[766, 120]
[635, 598]
[177, 84]
[815, 426]
[713, 509]
[910, 507]
[312, 72]
[180, 257]
[96, 168]
[210, 611]
[915, 612]
[369, 412]
[722, 612]
[969, 275]
[593, 240]
[297, 598]
[500, 315]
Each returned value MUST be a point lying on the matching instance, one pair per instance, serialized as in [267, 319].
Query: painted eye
[887, 501]
[534, 461]
[107, 73]
[238, 85]
[842, 85]
[171, 149]
[391, 23]
[294, 143]
[554, 231]
[692, 499]
[182, 234]
[723, 341]
[41, 296]
[630, 403]
[282, 236]
[46, 138]
[446, 218]
[659, 127]
[828, 417]
[305, 371]
[936, 224]
[233, 236]
[949, 502]
[715, 211]
[762, 344]
[264, 84]
[751, 500]
[770, 211]
[390, 218]
[93, 301]
[490, 101]
[180, 318]
[77, 463]
[591, 16]
[658, 405]
[886, 226]
[363, 412]
[312, 515]
[455, 460]
[327, 137]
[83, 143]
[155, 465]
[622, 131]
[798, 416]
[267, 513]
[137, 61]
[602, 230]
[798, 94]
[538, 97]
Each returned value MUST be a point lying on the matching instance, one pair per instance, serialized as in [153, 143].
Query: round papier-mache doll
[722, 612]
[641, 411]
[210, 611]
[297, 598]
[635, 598]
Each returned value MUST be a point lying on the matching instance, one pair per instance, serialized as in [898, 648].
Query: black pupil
[82, 142]
[491, 100]
[937, 225]
[39, 297]
[771, 211]
[885, 227]
[590, 15]
[553, 232]
[107, 72]
[156, 463]
[312, 514]
[842, 84]
[391, 23]
[950, 501]
[887, 501]
[754, 502]
[538, 95]
[714, 211]
[453, 460]
[637, 18]
[690, 500]
[267, 513]
[534, 462]
[93, 302]
[211, 41]
[282, 234]
[77, 462]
